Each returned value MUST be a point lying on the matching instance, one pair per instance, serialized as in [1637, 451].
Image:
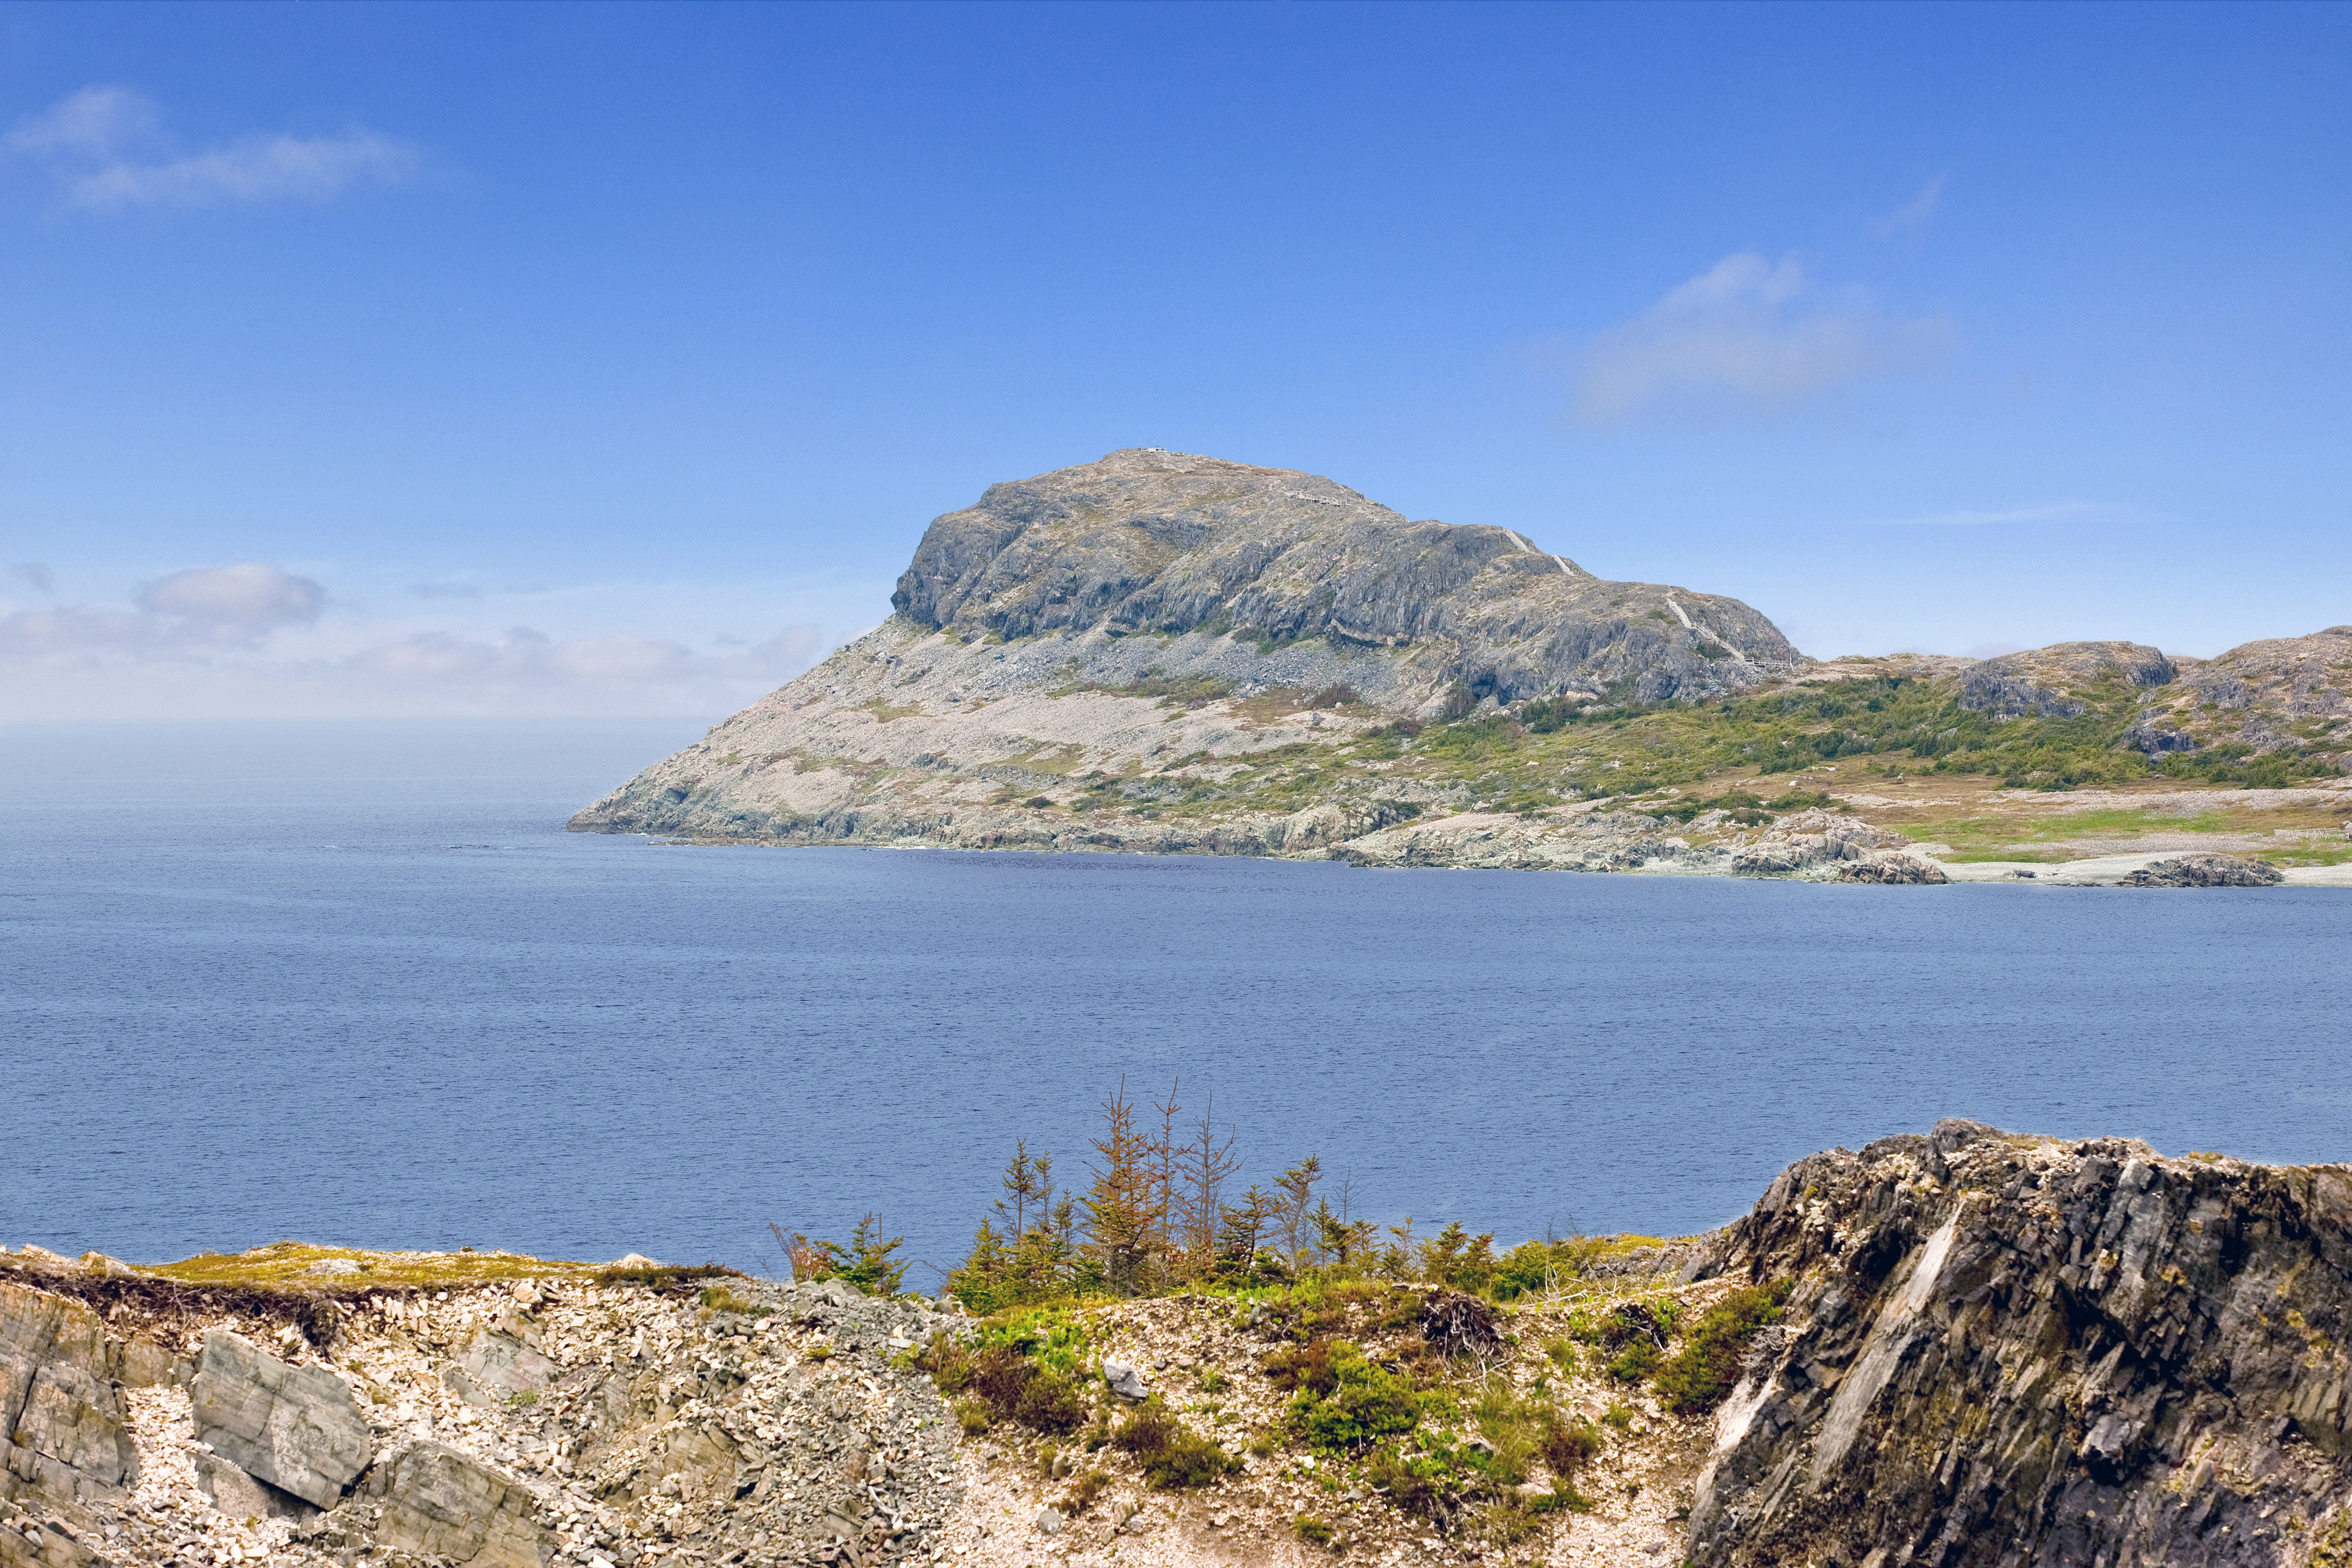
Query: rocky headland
[1170, 654]
[1961, 1347]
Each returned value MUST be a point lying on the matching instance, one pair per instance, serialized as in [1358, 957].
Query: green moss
[295, 1263]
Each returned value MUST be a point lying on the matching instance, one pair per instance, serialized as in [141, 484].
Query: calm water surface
[354, 984]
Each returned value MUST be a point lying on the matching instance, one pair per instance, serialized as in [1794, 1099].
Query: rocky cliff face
[1167, 543]
[1152, 609]
[2008, 1350]
[2282, 691]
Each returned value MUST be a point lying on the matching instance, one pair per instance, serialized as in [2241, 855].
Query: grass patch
[307, 1266]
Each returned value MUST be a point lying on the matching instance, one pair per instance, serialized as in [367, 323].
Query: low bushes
[1171, 1456]
[1029, 1368]
[1696, 1378]
[1343, 1401]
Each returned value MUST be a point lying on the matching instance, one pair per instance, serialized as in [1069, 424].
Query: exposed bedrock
[1166, 543]
[2055, 682]
[2016, 1350]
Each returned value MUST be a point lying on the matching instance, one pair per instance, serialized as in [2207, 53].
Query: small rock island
[1168, 654]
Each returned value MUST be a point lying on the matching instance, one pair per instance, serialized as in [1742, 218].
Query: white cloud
[253, 639]
[98, 124]
[1914, 215]
[250, 597]
[524, 657]
[107, 149]
[204, 607]
[1748, 334]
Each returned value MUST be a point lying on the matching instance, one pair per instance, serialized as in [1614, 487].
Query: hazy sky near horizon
[510, 360]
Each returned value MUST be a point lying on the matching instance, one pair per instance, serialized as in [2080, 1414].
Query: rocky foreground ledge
[1967, 1347]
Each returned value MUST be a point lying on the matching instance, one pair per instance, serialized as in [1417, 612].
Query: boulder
[501, 1365]
[1911, 870]
[2205, 871]
[1126, 1380]
[296, 1427]
[435, 1501]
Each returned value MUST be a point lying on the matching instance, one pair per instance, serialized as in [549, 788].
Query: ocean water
[354, 984]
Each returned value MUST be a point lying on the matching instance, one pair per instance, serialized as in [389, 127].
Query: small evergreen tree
[1122, 1217]
[866, 1262]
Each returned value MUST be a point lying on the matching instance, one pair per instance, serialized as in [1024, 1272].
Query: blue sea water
[354, 984]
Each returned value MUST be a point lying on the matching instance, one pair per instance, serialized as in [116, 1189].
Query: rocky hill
[2277, 694]
[1205, 554]
[1173, 654]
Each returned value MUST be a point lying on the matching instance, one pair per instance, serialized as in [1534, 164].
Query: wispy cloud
[1749, 334]
[107, 149]
[253, 636]
[1914, 215]
[524, 657]
[446, 588]
[35, 573]
[205, 608]
[2055, 511]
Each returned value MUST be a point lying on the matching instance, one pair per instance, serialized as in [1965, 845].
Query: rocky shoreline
[1962, 1347]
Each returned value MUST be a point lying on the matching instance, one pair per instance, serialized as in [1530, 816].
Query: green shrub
[1568, 1447]
[1026, 1368]
[1342, 1400]
[1636, 1361]
[1696, 1378]
[1313, 1531]
[1171, 1456]
[1516, 1429]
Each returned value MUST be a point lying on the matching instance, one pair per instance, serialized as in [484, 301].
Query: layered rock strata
[2013, 1350]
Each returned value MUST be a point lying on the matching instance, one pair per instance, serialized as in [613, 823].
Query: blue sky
[536, 359]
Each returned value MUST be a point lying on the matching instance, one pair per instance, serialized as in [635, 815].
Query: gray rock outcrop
[2055, 682]
[437, 1502]
[2281, 694]
[296, 1427]
[2205, 871]
[62, 1425]
[1151, 623]
[1169, 543]
[2012, 1350]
